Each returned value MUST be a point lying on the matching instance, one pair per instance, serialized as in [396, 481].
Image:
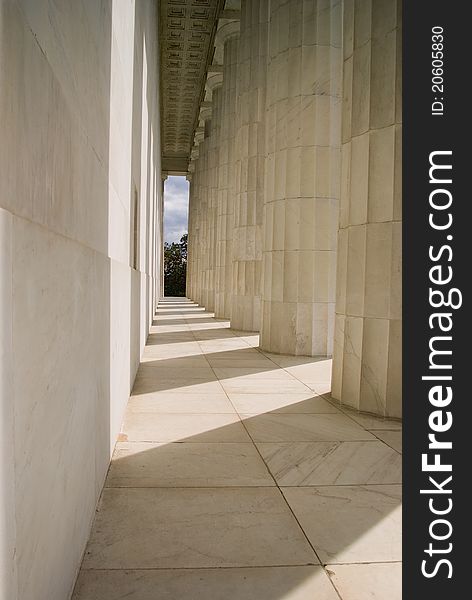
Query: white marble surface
[263, 583]
[301, 178]
[79, 312]
[274, 427]
[330, 463]
[150, 528]
[367, 350]
[58, 470]
[371, 422]
[392, 438]
[249, 374]
[183, 427]
[140, 464]
[146, 383]
[212, 495]
[8, 567]
[190, 403]
[291, 402]
[376, 581]
[350, 524]
[260, 385]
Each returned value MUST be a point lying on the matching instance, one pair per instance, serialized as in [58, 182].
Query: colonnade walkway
[237, 478]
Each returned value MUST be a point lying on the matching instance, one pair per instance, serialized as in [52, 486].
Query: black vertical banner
[437, 265]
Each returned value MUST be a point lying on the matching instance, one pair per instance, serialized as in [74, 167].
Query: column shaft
[213, 152]
[191, 237]
[367, 351]
[302, 176]
[204, 219]
[226, 177]
[250, 158]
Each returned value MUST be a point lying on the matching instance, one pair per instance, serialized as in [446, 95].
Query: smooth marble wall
[367, 339]
[8, 587]
[80, 141]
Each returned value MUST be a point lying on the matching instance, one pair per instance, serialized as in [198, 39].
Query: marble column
[301, 199]
[190, 238]
[250, 158]
[367, 350]
[228, 36]
[200, 215]
[213, 86]
[194, 226]
[159, 281]
[204, 206]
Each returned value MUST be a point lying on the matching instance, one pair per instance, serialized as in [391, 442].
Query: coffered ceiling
[187, 30]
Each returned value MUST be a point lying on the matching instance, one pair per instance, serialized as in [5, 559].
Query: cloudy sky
[175, 208]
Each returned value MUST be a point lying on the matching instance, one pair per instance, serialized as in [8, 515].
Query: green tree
[175, 267]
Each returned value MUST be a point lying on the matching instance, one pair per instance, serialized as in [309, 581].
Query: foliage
[175, 267]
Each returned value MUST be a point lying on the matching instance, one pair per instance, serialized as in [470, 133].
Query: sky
[175, 208]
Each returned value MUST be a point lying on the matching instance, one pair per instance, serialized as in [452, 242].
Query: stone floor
[237, 478]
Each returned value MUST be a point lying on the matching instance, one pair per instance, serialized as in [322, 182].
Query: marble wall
[80, 207]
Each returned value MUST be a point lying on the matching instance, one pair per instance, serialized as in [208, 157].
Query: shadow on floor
[261, 493]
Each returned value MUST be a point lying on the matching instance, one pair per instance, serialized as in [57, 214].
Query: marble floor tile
[315, 372]
[371, 422]
[264, 386]
[196, 360]
[172, 326]
[170, 402]
[374, 581]
[247, 357]
[138, 464]
[264, 583]
[273, 427]
[176, 528]
[251, 362]
[347, 524]
[295, 402]
[211, 346]
[250, 374]
[285, 360]
[392, 438]
[320, 388]
[139, 427]
[251, 340]
[173, 350]
[180, 373]
[331, 463]
[145, 384]
[217, 340]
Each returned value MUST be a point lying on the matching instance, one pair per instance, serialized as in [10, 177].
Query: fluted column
[191, 233]
[201, 214]
[302, 176]
[250, 157]
[367, 351]
[228, 35]
[213, 85]
[205, 119]
[194, 227]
